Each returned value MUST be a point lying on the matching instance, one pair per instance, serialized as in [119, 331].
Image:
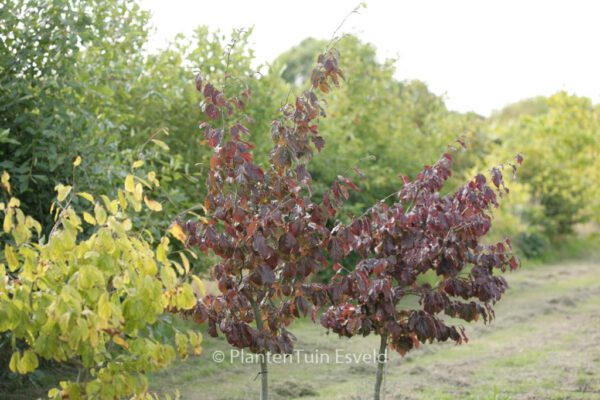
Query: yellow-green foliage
[95, 296]
[561, 145]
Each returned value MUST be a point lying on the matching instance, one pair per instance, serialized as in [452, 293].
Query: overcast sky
[480, 55]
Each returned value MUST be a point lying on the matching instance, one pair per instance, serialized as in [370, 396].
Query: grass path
[544, 344]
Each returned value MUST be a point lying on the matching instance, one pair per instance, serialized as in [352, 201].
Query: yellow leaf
[153, 205]
[14, 361]
[122, 200]
[162, 249]
[161, 144]
[32, 223]
[93, 332]
[138, 164]
[191, 253]
[87, 217]
[28, 363]
[185, 298]
[135, 202]
[185, 262]
[63, 191]
[8, 220]
[178, 232]
[14, 202]
[195, 342]
[111, 205]
[20, 217]
[100, 214]
[129, 184]
[178, 268]
[120, 341]
[127, 225]
[6, 181]
[86, 196]
[149, 267]
[197, 350]
[11, 258]
[152, 178]
[77, 161]
[104, 310]
[138, 192]
[181, 341]
[168, 277]
[198, 287]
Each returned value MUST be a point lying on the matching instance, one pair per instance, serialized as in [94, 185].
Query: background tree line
[76, 79]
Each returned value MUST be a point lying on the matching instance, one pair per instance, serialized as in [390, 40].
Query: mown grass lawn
[544, 344]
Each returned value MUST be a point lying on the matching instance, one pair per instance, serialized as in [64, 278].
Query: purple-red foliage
[271, 236]
[263, 223]
[422, 231]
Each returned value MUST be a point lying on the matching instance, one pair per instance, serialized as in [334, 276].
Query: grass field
[544, 344]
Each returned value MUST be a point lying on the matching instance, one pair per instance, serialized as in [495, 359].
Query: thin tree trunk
[264, 387]
[381, 361]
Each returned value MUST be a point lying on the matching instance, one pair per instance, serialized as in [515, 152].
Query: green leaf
[4, 137]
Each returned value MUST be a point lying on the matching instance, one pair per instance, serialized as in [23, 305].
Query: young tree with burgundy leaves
[263, 224]
[271, 235]
[423, 231]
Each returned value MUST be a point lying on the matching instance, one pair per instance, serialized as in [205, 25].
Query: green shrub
[531, 244]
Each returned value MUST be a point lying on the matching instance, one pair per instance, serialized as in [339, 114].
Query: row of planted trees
[98, 291]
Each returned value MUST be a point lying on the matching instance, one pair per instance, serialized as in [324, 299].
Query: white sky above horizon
[479, 54]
